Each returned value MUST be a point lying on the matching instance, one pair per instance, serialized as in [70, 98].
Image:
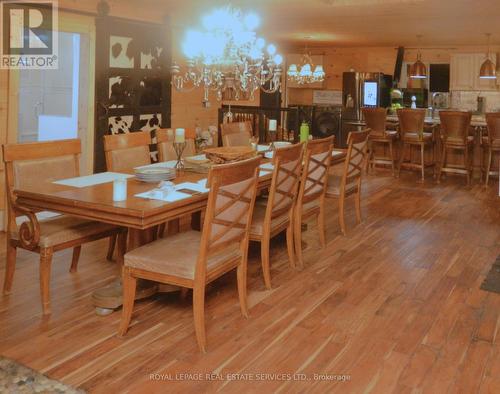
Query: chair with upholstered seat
[123, 153]
[311, 194]
[380, 137]
[193, 259]
[277, 215]
[491, 144]
[126, 151]
[349, 182]
[166, 151]
[411, 130]
[455, 137]
[236, 133]
[36, 165]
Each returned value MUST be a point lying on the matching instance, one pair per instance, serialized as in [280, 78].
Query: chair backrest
[166, 150]
[233, 188]
[375, 119]
[287, 162]
[126, 151]
[31, 165]
[236, 133]
[355, 158]
[493, 125]
[411, 121]
[318, 155]
[455, 125]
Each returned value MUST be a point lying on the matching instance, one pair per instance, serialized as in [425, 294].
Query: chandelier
[304, 74]
[228, 54]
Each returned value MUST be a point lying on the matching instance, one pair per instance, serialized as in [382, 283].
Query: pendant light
[418, 69]
[488, 68]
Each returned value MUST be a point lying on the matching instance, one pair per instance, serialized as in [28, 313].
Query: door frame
[71, 23]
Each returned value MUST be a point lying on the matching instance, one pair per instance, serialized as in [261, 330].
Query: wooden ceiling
[364, 22]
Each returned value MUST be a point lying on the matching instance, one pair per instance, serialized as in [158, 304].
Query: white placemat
[267, 166]
[337, 153]
[91, 180]
[262, 148]
[171, 196]
[197, 187]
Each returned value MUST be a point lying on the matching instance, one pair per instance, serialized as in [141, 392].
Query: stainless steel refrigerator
[371, 89]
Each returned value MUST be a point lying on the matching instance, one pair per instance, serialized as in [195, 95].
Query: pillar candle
[170, 134]
[273, 125]
[180, 135]
[120, 189]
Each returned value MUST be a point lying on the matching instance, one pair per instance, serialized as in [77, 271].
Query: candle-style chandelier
[305, 72]
[228, 54]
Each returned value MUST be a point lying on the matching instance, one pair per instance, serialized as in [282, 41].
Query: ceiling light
[488, 68]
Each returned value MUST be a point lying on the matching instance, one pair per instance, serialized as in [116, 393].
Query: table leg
[108, 298]
[196, 221]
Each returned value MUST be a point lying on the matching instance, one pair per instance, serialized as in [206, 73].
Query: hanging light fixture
[418, 69]
[304, 74]
[227, 54]
[488, 68]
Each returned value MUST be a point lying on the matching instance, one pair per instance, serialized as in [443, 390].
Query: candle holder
[179, 150]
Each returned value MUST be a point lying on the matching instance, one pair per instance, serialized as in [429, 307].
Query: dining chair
[125, 151]
[491, 144]
[375, 119]
[312, 189]
[454, 134]
[37, 165]
[411, 130]
[349, 182]
[192, 259]
[166, 151]
[277, 215]
[236, 133]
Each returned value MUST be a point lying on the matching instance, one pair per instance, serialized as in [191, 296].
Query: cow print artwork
[120, 53]
[120, 124]
[120, 92]
[150, 123]
[151, 60]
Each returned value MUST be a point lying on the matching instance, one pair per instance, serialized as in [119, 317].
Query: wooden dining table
[141, 216]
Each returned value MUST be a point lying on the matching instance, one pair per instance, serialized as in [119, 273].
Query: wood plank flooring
[394, 306]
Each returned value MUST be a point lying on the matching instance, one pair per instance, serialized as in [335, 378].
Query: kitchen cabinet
[464, 72]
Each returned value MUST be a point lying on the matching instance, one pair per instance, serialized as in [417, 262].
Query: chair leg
[442, 164]
[74, 258]
[488, 166]
[264, 256]
[321, 225]
[297, 237]
[199, 315]
[466, 164]
[45, 265]
[241, 277]
[401, 158]
[111, 247]
[391, 153]
[289, 245]
[357, 198]
[422, 161]
[129, 284]
[10, 268]
[341, 213]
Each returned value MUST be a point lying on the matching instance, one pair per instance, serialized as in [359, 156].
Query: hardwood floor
[395, 306]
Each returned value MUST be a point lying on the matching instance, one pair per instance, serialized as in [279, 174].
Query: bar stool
[376, 121]
[491, 143]
[411, 129]
[455, 137]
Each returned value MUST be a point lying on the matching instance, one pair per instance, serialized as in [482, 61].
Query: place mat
[492, 280]
[171, 196]
[91, 180]
[267, 166]
[16, 378]
[196, 187]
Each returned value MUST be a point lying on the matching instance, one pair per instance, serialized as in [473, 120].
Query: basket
[229, 154]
